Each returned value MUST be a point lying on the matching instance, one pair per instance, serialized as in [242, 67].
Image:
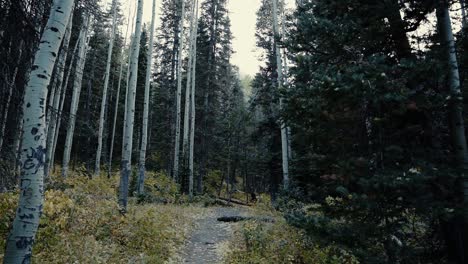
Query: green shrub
[260, 243]
[81, 223]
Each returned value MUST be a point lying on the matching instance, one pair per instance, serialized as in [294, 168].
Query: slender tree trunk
[128, 131]
[130, 50]
[117, 100]
[9, 94]
[20, 241]
[463, 11]
[179, 93]
[456, 111]
[97, 165]
[192, 105]
[279, 68]
[185, 135]
[144, 135]
[62, 103]
[80, 63]
[286, 70]
[59, 87]
[187, 106]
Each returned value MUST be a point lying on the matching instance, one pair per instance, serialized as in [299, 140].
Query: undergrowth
[264, 243]
[81, 223]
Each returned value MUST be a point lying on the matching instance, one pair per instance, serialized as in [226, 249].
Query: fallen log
[234, 201]
[237, 218]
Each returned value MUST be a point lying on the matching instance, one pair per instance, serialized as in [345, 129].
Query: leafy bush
[160, 188]
[81, 224]
[280, 243]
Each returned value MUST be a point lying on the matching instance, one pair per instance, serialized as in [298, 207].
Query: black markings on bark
[54, 29]
[24, 242]
[34, 67]
[41, 76]
[26, 216]
[34, 130]
[35, 159]
[28, 105]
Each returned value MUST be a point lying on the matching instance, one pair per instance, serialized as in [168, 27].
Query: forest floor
[209, 241]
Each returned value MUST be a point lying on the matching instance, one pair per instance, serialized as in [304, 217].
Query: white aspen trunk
[20, 241]
[10, 92]
[279, 63]
[192, 103]
[80, 63]
[97, 165]
[456, 104]
[132, 39]
[49, 109]
[56, 103]
[130, 110]
[286, 71]
[179, 92]
[185, 136]
[463, 11]
[117, 99]
[62, 103]
[127, 85]
[144, 132]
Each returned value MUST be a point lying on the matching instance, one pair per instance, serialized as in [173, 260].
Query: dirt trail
[208, 241]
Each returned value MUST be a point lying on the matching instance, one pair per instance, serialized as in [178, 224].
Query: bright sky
[243, 19]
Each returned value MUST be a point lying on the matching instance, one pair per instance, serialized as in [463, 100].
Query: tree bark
[130, 110]
[97, 165]
[144, 134]
[456, 106]
[20, 241]
[9, 94]
[117, 100]
[80, 63]
[179, 93]
[56, 103]
[192, 106]
[279, 69]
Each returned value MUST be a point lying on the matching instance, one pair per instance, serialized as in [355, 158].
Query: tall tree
[189, 108]
[179, 92]
[97, 165]
[144, 136]
[26, 222]
[280, 79]
[77, 85]
[58, 86]
[130, 113]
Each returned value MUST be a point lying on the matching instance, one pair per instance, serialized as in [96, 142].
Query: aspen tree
[192, 103]
[279, 69]
[185, 137]
[117, 100]
[144, 134]
[79, 71]
[62, 103]
[97, 165]
[21, 238]
[9, 94]
[130, 113]
[59, 87]
[179, 92]
[456, 96]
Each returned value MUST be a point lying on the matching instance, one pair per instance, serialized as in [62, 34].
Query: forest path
[209, 239]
